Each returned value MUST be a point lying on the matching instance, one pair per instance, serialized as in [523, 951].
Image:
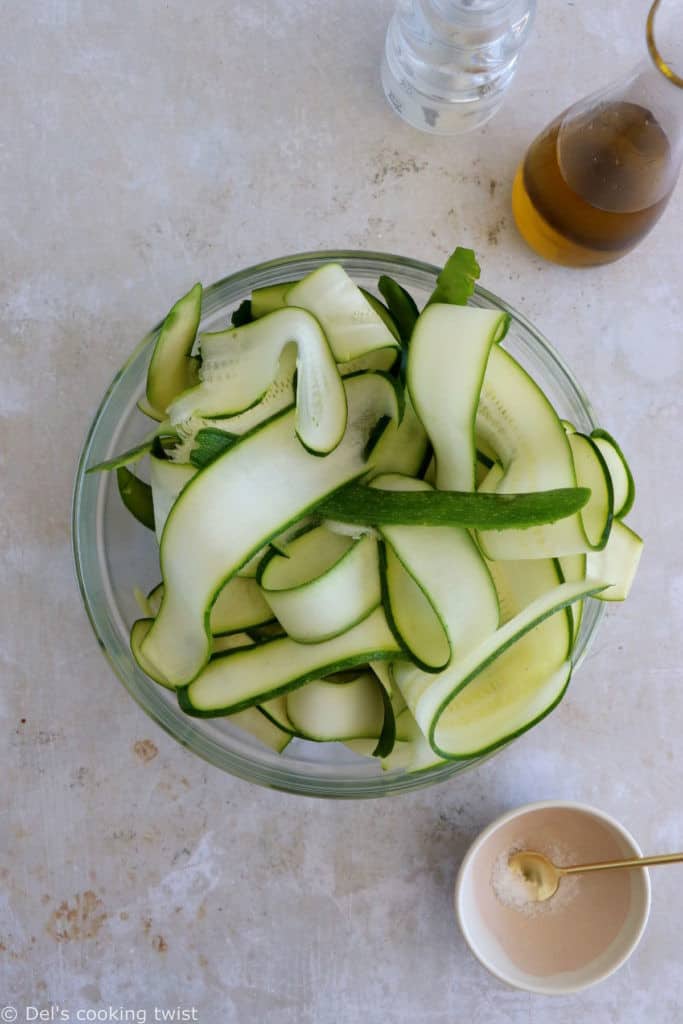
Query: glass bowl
[114, 554]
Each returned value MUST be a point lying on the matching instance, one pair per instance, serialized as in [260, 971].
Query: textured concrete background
[143, 146]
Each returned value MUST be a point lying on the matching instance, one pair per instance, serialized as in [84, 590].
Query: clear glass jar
[447, 63]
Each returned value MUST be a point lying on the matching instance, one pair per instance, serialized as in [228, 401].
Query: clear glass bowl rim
[185, 732]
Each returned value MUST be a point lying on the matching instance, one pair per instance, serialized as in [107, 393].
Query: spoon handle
[633, 862]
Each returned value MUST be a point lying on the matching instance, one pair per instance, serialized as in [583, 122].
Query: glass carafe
[597, 179]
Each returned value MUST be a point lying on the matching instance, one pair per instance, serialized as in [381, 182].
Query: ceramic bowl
[583, 933]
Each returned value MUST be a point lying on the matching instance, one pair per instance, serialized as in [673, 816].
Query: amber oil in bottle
[593, 184]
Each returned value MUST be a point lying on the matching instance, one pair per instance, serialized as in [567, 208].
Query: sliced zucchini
[136, 495]
[617, 563]
[496, 690]
[382, 312]
[268, 631]
[412, 752]
[592, 472]
[139, 631]
[549, 644]
[262, 728]
[572, 568]
[238, 366]
[382, 670]
[351, 325]
[235, 506]
[438, 593]
[142, 627]
[360, 505]
[255, 721]
[269, 298]
[241, 679]
[167, 480]
[519, 583]
[171, 369]
[250, 569]
[449, 350]
[325, 709]
[413, 619]
[497, 706]
[240, 605]
[516, 420]
[322, 585]
[403, 446]
[401, 305]
[276, 711]
[619, 470]
[147, 410]
[231, 642]
[380, 359]
[280, 395]
[137, 453]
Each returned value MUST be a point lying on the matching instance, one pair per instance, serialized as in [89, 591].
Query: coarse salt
[513, 891]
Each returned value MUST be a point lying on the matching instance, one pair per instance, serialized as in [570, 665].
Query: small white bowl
[583, 933]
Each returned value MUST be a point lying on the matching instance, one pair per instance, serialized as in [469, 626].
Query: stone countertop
[145, 146]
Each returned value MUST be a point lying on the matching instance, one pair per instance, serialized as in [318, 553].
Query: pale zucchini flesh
[617, 563]
[262, 728]
[279, 396]
[620, 472]
[451, 602]
[276, 710]
[239, 365]
[431, 697]
[234, 507]
[167, 480]
[269, 298]
[247, 677]
[572, 568]
[449, 350]
[325, 710]
[516, 421]
[403, 446]
[592, 472]
[351, 325]
[240, 605]
[322, 584]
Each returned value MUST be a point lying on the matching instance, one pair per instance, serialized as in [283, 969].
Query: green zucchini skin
[599, 434]
[382, 312]
[604, 501]
[387, 737]
[401, 306]
[136, 495]
[364, 506]
[352, 661]
[171, 368]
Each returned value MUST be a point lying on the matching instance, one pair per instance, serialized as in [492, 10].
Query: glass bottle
[598, 178]
[447, 63]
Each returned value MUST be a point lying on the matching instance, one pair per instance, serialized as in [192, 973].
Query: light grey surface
[145, 146]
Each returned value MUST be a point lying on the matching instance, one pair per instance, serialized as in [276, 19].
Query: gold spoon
[543, 877]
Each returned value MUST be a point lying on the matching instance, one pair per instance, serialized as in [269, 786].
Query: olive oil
[593, 184]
